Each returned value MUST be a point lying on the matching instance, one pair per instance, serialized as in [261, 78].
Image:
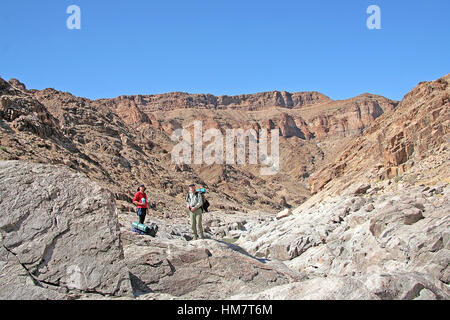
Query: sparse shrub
[412, 179]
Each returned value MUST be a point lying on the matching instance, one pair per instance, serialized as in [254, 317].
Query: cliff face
[418, 127]
[249, 102]
[22, 113]
[324, 117]
[349, 117]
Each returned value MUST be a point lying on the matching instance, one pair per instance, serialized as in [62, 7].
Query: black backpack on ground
[152, 230]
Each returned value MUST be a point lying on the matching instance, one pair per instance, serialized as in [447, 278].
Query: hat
[142, 185]
[192, 185]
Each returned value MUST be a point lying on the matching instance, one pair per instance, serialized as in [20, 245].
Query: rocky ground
[373, 242]
[67, 240]
[395, 243]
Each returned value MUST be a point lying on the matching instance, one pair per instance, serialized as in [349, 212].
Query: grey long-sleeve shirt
[193, 200]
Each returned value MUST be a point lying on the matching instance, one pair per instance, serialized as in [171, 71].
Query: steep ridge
[418, 127]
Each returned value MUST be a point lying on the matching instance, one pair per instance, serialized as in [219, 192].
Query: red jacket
[138, 197]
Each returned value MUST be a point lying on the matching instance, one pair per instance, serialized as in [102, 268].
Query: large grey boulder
[330, 288]
[17, 283]
[375, 286]
[401, 234]
[59, 234]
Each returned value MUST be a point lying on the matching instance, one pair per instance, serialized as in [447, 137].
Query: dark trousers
[141, 213]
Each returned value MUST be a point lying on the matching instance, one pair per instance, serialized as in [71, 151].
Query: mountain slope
[395, 142]
[377, 227]
[125, 141]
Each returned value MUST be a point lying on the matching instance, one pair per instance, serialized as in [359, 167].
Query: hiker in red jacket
[140, 200]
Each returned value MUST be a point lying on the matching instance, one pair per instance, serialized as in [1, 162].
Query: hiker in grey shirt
[194, 202]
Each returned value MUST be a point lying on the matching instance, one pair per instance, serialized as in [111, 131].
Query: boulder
[283, 214]
[398, 236]
[375, 286]
[357, 189]
[201, 269]
[59, 231]
[329, 288]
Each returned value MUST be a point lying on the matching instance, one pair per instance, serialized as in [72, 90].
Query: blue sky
[225, 46]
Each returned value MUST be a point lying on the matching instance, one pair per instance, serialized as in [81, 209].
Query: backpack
[206, 203]
[152, 230]
[143, 229]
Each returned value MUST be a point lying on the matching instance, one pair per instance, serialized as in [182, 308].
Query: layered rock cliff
[394, 143]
